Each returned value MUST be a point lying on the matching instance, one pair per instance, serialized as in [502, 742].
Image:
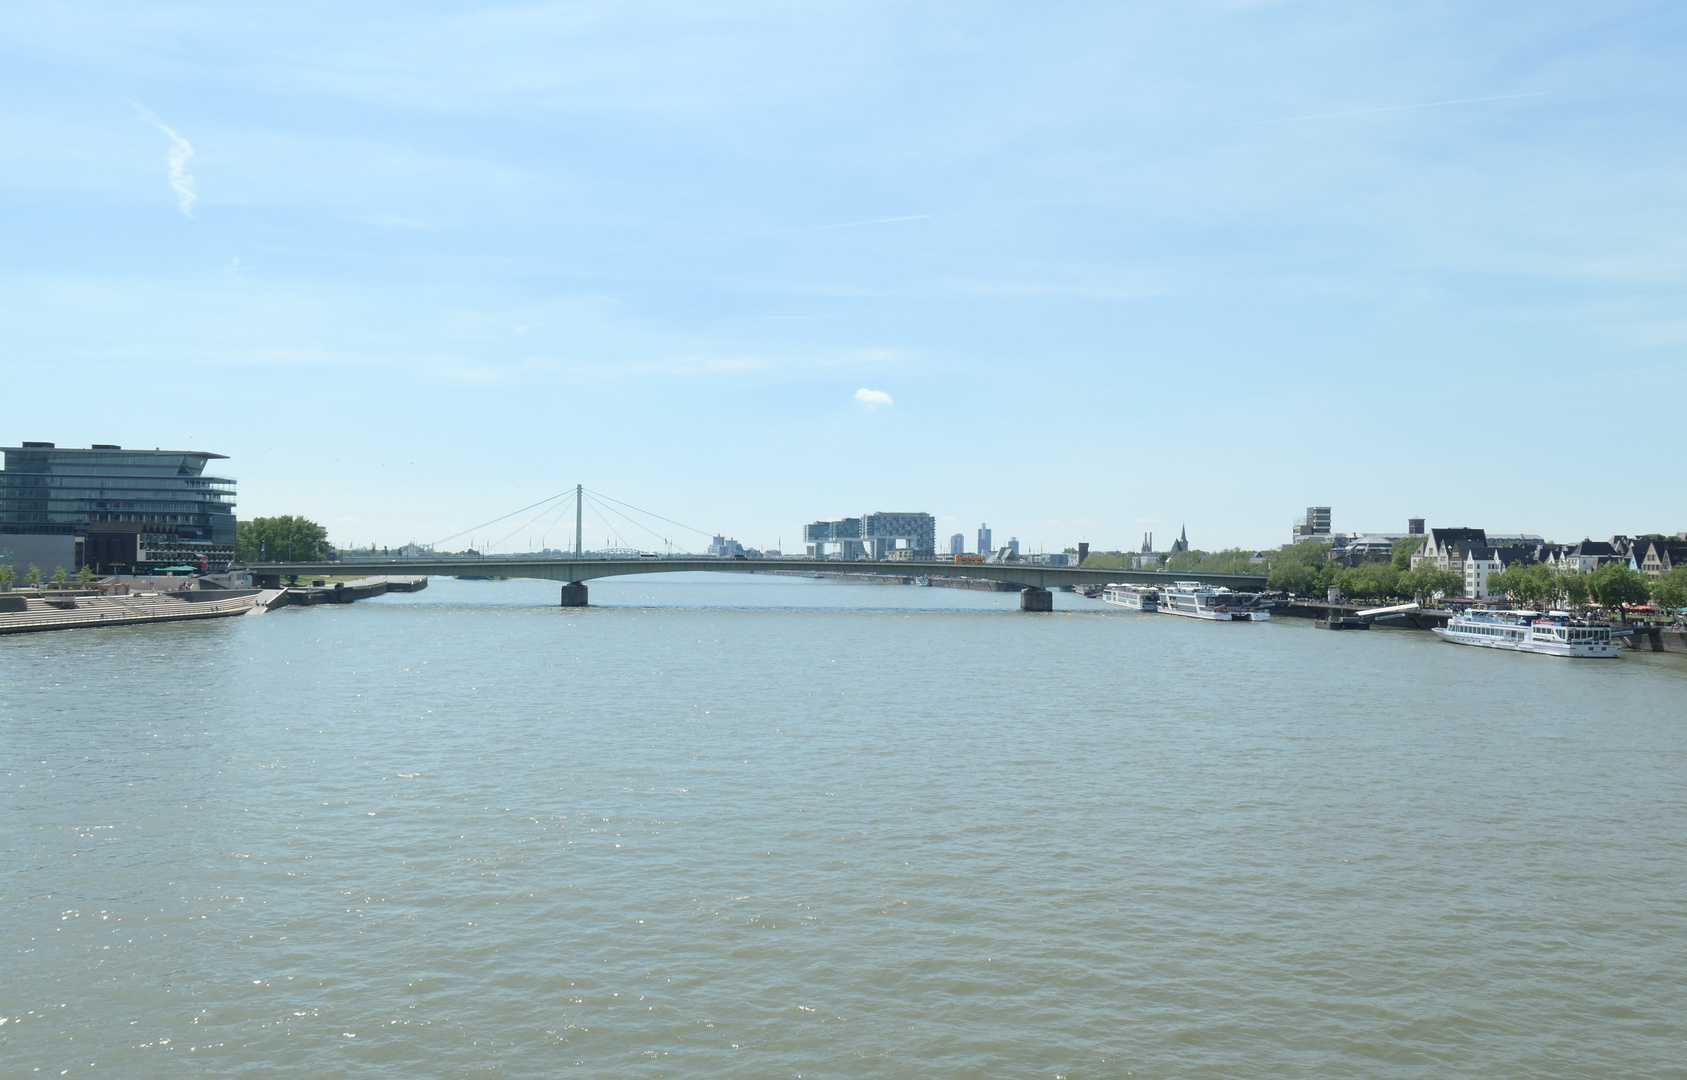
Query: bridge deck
[1024, 575]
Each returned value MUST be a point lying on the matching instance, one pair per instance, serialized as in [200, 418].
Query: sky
[1077, 270]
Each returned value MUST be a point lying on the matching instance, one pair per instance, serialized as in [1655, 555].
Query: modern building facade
[874, 536]
[913, 532]
[844, 533]
[1315, 526]
[116, 510]
[723, 548]
[957, 544]
[984, 547]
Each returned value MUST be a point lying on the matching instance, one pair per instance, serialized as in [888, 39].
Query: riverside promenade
[21, 613]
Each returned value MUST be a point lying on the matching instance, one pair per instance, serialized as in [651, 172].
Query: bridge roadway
[1033, 580]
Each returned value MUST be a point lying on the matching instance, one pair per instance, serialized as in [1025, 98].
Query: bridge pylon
[573, 594]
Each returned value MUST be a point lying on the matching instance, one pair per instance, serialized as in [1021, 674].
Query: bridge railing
[1026, 575]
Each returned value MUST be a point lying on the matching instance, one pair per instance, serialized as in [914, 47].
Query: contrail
[771, 232]
[181, 181]
[1390, 108]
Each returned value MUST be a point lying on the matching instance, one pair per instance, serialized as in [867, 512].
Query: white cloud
[873, 398]
[181, 181]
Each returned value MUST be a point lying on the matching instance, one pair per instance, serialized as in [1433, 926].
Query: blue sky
[1117, 266]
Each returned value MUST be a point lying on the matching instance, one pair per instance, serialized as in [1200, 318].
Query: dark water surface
[778, 827]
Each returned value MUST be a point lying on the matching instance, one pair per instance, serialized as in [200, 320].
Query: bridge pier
[573, 594]
[1036, 600]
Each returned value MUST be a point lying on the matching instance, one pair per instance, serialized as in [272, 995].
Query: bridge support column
[1036, 600]
[574, 594]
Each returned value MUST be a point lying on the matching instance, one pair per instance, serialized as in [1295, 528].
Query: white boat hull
[1572, 651]
[1130, 601]
[1210, 616]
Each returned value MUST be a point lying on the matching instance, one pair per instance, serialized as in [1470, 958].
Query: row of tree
[1307, 569]
[1612, 585]
[32, 576]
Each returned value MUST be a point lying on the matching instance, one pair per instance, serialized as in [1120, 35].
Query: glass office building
[874, 536]
[117, 510]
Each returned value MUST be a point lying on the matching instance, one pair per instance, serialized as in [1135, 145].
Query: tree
[1186, 560]
[58, 575]
[1525, 584]
[1614, 585]
[8, 577]
[1500, 581]
[1670, 590]
[85, 575]
[280, 539]
[1571, 586]
[1404, 549]
[1297, 568]
[1427, 580]
[1370, 581]
[33, 576]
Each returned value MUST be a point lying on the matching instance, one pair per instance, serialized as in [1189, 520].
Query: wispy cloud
[181, 181]
[1392, 108]
[873, 398]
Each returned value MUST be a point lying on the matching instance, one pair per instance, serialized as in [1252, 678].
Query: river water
[765, 827]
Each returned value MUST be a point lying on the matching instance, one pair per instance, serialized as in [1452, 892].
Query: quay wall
[1652, 639]
[1323, 609]
[344, 592]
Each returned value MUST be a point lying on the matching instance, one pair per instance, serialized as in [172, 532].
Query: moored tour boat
[1554, 634]
[1131, 597]
[1194, 600]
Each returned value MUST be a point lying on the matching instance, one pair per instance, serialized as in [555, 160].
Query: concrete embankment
[343, 592]
[1656, 639]
[1323, 610]
[25, 614]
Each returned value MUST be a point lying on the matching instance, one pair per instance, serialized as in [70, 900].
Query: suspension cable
[635, 522]
[518, 528]
[495, 520]
[659, 517]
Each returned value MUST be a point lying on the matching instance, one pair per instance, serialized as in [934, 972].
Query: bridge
[1034, 579]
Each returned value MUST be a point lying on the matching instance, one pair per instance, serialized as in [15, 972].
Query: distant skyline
[1080, 270]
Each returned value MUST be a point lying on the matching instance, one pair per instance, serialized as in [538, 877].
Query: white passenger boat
[1131, 597]
[1194, 600]
[1556, 634]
